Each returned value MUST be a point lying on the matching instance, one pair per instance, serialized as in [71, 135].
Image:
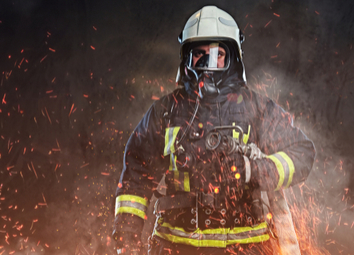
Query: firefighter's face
[202, 50]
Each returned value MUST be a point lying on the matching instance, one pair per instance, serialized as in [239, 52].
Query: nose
[203, 61]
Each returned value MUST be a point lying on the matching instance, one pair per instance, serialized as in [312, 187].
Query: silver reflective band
[131, 204]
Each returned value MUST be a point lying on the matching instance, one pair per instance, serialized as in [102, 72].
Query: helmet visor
[213, 56]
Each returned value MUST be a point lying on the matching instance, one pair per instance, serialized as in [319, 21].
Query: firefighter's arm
[289, 153]
[143, 168]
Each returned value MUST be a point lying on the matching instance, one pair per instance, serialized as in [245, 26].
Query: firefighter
[226, 152]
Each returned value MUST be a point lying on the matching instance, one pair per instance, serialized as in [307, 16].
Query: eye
[198, 53]
[221, 54]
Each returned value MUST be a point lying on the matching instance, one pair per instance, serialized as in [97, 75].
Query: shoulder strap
[169, 110]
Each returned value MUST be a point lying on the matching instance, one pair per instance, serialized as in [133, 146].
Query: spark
[34, 170]
[267, 23]
[45, 108]
[72, 107]
[43, 58]
[3, 99]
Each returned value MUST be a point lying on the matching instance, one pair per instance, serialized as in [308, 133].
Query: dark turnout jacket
[206, 203]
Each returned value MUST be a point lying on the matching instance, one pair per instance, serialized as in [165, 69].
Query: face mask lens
[209, 57]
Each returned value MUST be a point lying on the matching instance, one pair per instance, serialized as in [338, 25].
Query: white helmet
[211, 24]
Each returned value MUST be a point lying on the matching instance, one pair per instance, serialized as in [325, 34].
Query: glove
[128, 243]
[251, 151]
[246, 153]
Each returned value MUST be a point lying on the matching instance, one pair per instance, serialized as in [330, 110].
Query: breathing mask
[206, 62]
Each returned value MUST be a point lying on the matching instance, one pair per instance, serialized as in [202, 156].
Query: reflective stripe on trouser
[220, 237]
[285, 167]
[131, 204]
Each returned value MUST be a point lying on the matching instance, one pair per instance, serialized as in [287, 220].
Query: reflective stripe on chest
[236, 134]
[179, 179]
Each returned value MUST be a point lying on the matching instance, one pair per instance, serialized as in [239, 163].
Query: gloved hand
[251, 151]
[245, 154]
[128, 243]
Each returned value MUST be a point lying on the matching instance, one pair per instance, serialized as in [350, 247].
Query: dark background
[77, 76]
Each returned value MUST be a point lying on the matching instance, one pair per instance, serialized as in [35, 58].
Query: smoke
[76, 78]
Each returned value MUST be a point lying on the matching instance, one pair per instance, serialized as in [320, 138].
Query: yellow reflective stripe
[245, 229]
[192, 242]
[211, 243]
[291, 167]
[186, 182]
[280, 169]
[173, 162]
[132, 198]
[236, 230]
[245, 136]
[181, 181]
[254, 239]
[170, 138]
[165, 151]
[131, 210]
[176, 179]
[234, 133]
[221, 238]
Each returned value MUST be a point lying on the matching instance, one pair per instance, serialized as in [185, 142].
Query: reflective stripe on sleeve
[291, 167]
[285, 167]
[131, 204]
[220, 237]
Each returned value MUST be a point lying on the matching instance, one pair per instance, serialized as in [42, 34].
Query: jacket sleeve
[290, 154]
[143, 168]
